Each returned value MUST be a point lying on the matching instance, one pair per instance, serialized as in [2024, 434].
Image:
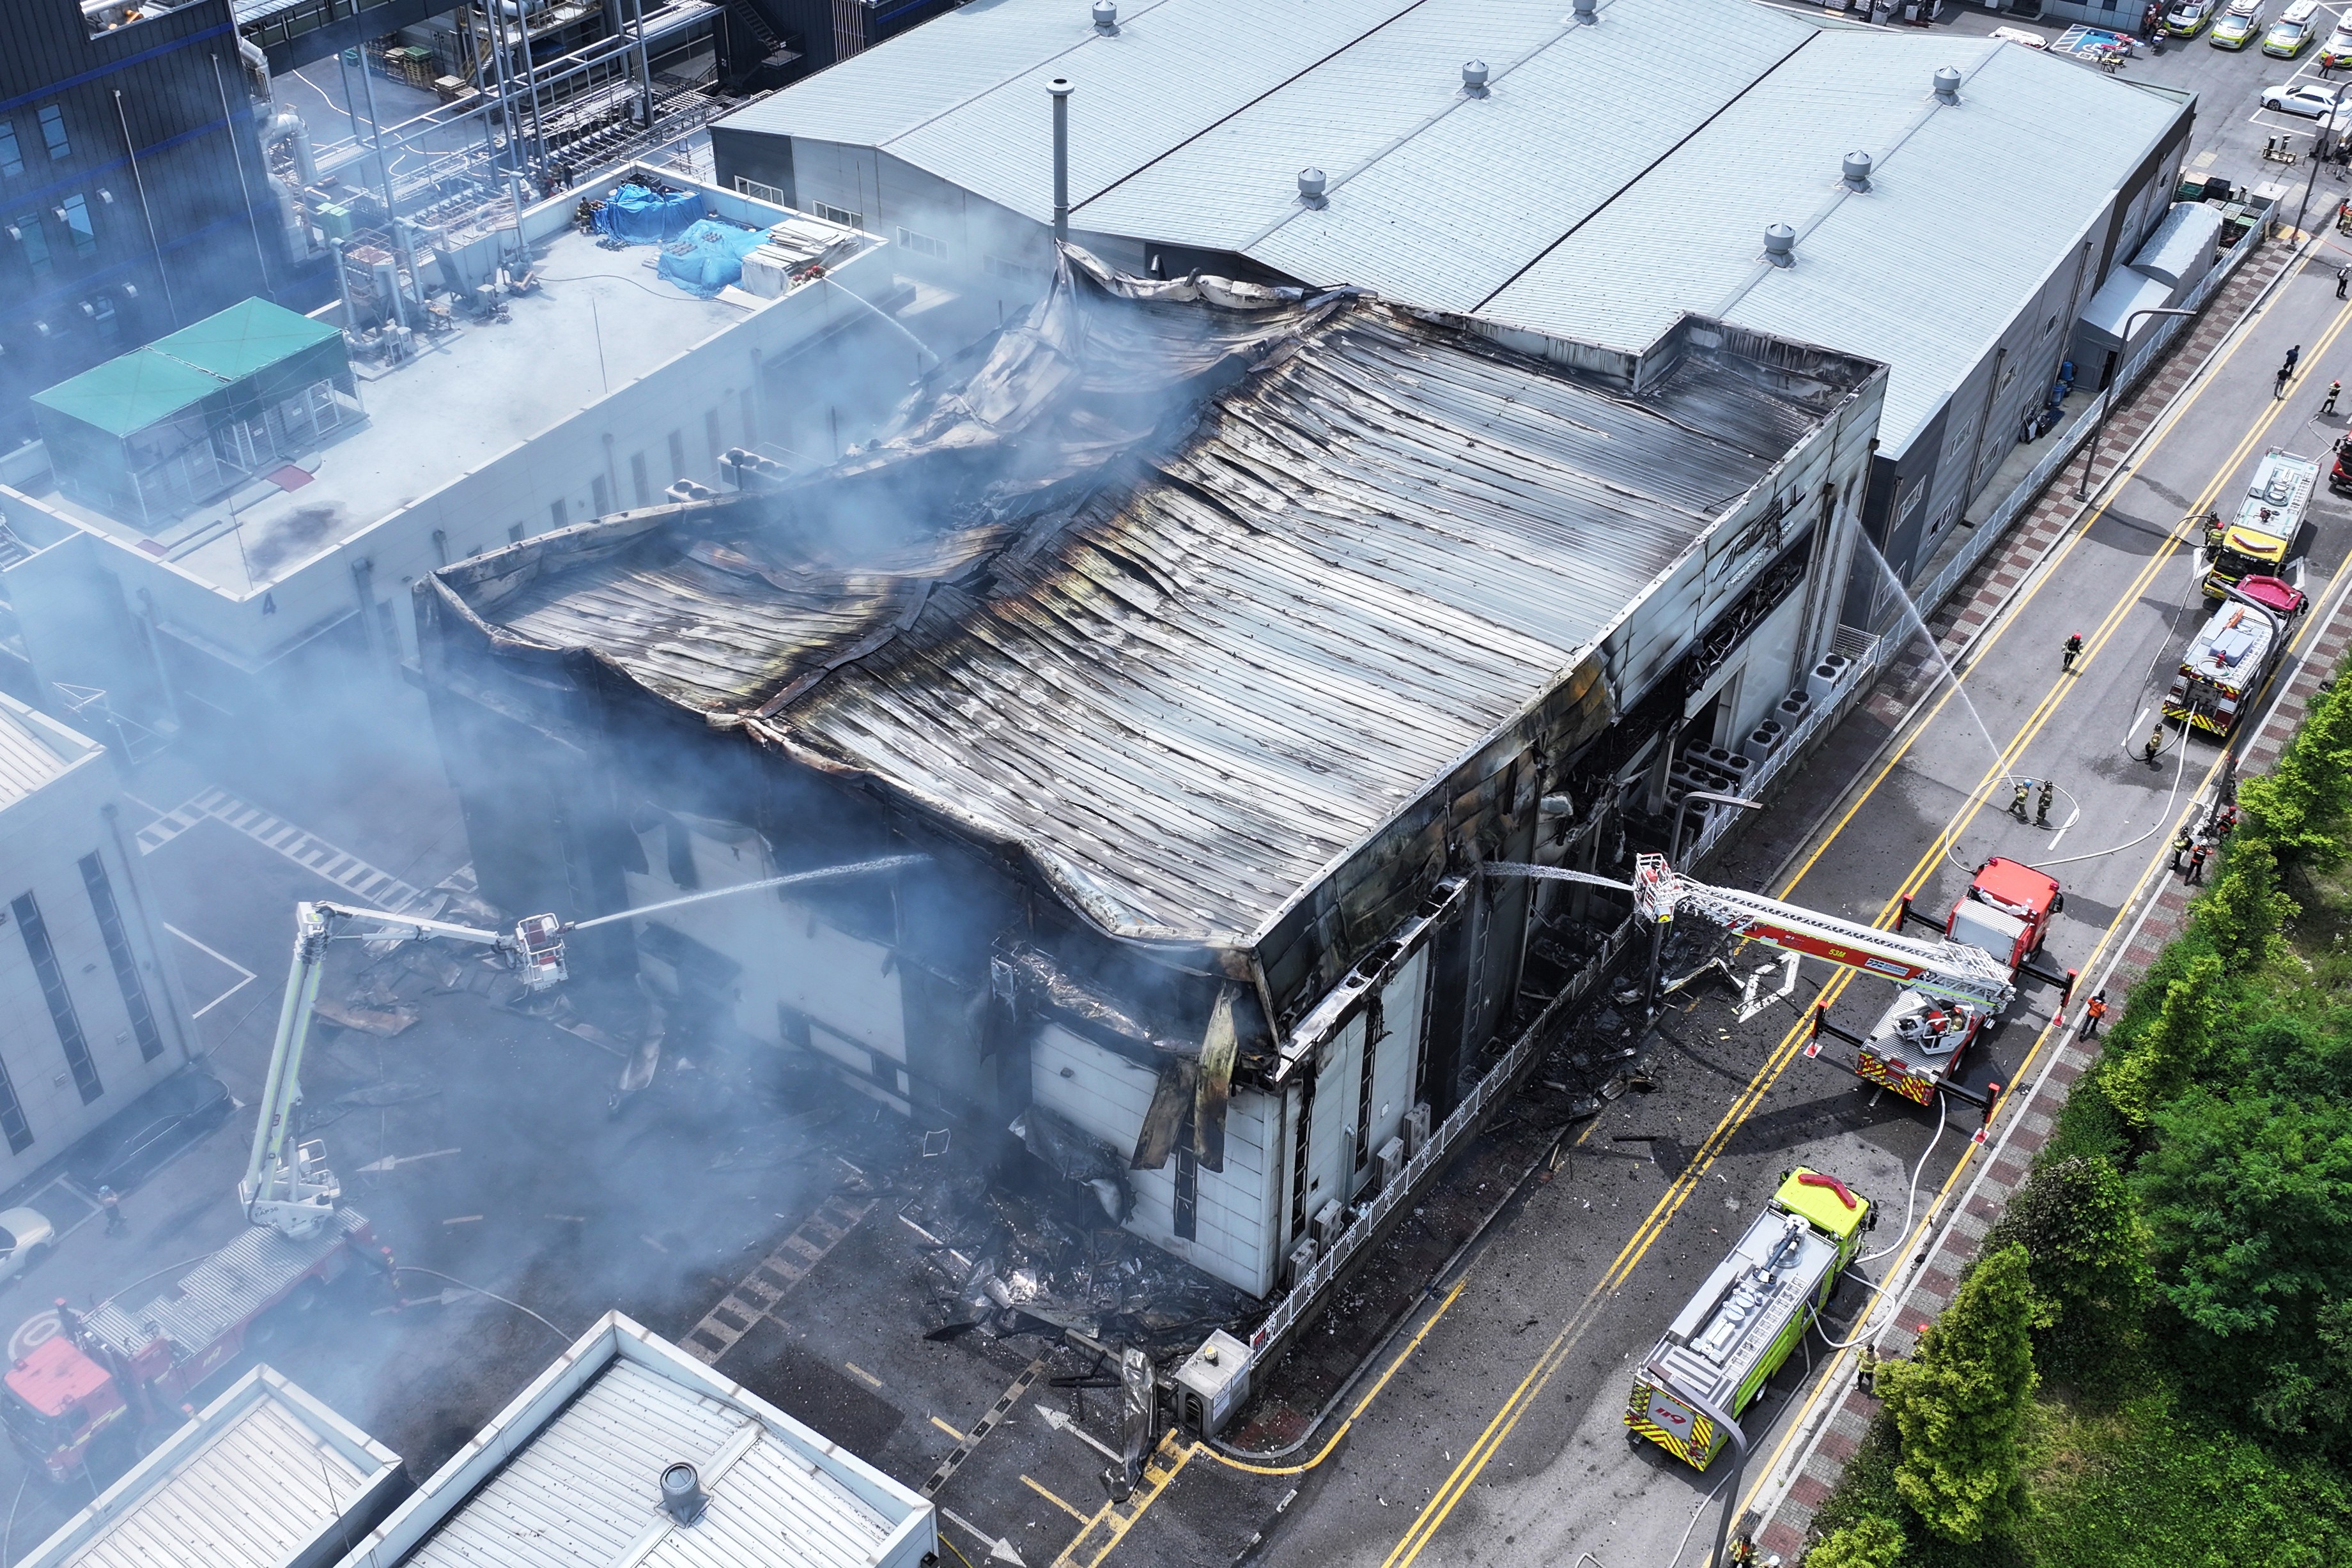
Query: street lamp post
[2107, 398]
[2319, 141]
[1675, 858]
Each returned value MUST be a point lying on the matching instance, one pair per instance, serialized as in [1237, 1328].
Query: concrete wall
[46, 840]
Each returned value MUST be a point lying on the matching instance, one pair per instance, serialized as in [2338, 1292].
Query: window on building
[678, 455]
[514, 534]
[1012, 271]
[712, 439]
[923, 244]
[759, 193]
[75, 213]
[32, 243]
[12, 159]
[117, 952]
[12, 1115]
[105, 317]
[846, 219]
[600, 495]
[639, 481]
[556, 510]
[35, 933]
[1187, 1186]
[53, 132]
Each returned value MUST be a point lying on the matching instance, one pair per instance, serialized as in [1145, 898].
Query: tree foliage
[2300, 804]
[2153, 1060]
[1870, 1542]
[2245, 911]
[2086, 1256]
[1960, 1402]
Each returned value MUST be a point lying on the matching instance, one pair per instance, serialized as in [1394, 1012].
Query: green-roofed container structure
[153, 433]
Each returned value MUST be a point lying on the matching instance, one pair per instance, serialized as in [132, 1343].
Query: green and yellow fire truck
[1750, 1314]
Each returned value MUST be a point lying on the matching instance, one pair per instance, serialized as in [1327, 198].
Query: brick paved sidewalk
[1979, 596]
[2026, 1121]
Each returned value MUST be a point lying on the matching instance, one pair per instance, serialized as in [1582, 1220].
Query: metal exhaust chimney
[1857, 170]
[1587, 12]
[1311, 185]
[682, 1497]
[1107, 17]
[1947, 84]
[1060, 87]
[1474, 79]
[1781, 245]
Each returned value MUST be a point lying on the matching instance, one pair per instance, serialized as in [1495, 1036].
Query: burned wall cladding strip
[118, 952]
[1259, 585]
[38, 948]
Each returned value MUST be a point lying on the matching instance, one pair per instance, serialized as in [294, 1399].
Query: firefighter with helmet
[2073, 649]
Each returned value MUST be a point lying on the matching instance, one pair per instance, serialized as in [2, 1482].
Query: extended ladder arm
[1955, 971]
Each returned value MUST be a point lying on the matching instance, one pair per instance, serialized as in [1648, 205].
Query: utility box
[1211, 1385]
[1391, 1160]
[1416, 1127]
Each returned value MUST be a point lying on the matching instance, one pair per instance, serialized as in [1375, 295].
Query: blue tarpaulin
[635, 214]
[707, 257]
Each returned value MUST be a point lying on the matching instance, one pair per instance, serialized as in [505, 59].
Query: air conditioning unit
[1302, 1261]
[1329, 1220]
[1416, 1128]
[1390, 1161]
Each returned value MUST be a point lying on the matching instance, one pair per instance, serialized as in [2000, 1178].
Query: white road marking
[221, 957]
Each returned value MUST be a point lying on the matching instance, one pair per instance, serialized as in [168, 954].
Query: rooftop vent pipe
[1311, 188]
[1856, 170]
[1947, 84]
[682, 1497]
[1587, 12]
[1060, 89]
[1107, 17]
[1473, 77]
[1781, 245]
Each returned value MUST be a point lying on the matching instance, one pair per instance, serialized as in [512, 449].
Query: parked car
[2312, 102]
[2297, 26]
[25, 1238]
[2236, 29]
[153, 1129]
[2187, 19]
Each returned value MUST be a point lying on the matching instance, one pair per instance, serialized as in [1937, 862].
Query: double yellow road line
[1481, 1452]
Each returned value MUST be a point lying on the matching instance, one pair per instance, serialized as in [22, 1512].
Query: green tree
[2086, 1251]
[2300, 804]
[1960, 1402]
[2159, 1058]
[2249, 1199]
[2244, 912]
[1870, 1542]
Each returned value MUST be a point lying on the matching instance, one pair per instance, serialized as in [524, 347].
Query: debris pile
[1013, 1257]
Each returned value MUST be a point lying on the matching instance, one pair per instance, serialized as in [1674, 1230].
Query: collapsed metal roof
[1182, 601]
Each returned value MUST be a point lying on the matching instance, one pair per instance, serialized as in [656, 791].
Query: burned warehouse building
[1203, 643]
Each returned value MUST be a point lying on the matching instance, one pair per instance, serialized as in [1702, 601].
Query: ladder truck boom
[1955, 971]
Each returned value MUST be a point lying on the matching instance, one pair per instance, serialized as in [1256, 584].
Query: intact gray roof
[1238, 655]
[260, 1480]
[568, 1474]
[34, 750]
[1615, 176]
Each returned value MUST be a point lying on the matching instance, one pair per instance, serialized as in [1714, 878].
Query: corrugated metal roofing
[248, 335]
[1237, 661]
[584, 1488]
[30, 757]
[265, 1486]
[1616, 175]
[1892, 279]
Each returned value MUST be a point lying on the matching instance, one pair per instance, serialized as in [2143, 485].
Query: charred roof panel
[1237, 589]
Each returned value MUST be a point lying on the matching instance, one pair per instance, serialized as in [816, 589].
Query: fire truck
[1739, 1327]
[2232, 656]
[85, 1399]
[2271, 515]
[1950, 989]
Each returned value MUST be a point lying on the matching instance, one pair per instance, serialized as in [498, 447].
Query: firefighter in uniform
[2095, 1013]
[2155, 744]
[2017, 802]
[2041, 805]
[2073, 647]
[2180, 846]
[2197, 862]
[1865, 1370]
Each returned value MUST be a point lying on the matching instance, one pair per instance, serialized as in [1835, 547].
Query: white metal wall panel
[1106, 1095]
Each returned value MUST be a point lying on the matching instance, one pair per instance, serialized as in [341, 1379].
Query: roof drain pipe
[1060, 89]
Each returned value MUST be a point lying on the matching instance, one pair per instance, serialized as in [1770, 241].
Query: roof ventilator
[1781, 245]
[1107, 17]
[682, 1497]
[1587, 12]
[1947, 84]
[1856, 170]
[1311, 188]
[1473, 77]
